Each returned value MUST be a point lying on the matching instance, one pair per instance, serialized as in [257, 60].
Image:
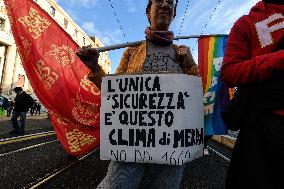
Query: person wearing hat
[22, 103]
[141, 59]
[254, 63]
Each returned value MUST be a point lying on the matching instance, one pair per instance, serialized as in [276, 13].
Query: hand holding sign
[184, 57]
[89, 57]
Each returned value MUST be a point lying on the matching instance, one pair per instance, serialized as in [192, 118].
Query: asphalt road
[27, 160]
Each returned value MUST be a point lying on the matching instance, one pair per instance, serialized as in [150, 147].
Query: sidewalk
[41, 116]
[35, 123]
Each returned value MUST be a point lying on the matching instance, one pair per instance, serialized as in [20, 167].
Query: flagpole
[135, 43]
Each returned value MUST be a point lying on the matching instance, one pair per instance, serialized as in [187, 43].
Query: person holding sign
[157, 54]
[254, 63]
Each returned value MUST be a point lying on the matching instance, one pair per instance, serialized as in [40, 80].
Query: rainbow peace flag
[210, 57]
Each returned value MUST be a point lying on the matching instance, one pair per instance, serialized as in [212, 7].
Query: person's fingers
[88, 55]
[182, 51]
[80, 54]
[79, 51]
[180, 58]
[94, 51]
[183, 55]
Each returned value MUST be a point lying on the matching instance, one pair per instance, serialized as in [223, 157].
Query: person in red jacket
[254, 63]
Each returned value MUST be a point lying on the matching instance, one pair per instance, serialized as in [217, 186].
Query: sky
[121, 21]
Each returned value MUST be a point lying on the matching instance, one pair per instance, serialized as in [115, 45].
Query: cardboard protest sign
[151, 118]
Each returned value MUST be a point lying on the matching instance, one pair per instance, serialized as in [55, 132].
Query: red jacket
[249, 56]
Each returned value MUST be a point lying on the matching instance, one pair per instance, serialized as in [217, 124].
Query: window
[2, 24]
[76, 33]
[52, 10]
[65, 23]
[84, 41]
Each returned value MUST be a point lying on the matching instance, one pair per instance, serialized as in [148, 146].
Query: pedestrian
[141, 59]
[10, 107]
[254, 63]
[23, 102]
[32, 109]
[37, 108]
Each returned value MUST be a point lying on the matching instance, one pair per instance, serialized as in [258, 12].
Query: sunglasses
[159, 3]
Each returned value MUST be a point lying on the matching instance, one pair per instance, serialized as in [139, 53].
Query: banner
[152, 118]
[210, 58]
[57, 75]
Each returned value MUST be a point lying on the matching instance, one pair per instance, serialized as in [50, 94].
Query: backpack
[30, 101]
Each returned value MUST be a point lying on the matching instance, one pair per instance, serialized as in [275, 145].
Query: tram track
[61, 169]
[65, 167]
[54, 174]
[27, 148]
[25, 137]
[22, 143]
[220, 154]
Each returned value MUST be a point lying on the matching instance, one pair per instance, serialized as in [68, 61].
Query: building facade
[12, 73]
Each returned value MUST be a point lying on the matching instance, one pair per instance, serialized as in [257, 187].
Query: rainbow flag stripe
[210, 57]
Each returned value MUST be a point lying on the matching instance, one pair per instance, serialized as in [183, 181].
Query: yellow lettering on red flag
[48, 76]
[63, 54]
[35, 23]
[87, 85]
[75, 101]
[25, 49]
[85, 113]
[77, 139]
[61, 120]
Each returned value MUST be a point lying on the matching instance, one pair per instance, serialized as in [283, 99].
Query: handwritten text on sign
[152, 118]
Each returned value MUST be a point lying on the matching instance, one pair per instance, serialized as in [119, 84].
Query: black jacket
[23, 102]
[250, 158]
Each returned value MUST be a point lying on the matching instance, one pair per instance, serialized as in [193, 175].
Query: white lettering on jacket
[264, 29]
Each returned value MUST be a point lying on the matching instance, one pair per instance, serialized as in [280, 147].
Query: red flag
[57, 75]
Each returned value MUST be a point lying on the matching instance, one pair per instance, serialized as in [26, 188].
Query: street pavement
[27, 160]
[35, 123]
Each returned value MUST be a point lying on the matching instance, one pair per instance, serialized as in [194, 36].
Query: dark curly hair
[149, 7]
